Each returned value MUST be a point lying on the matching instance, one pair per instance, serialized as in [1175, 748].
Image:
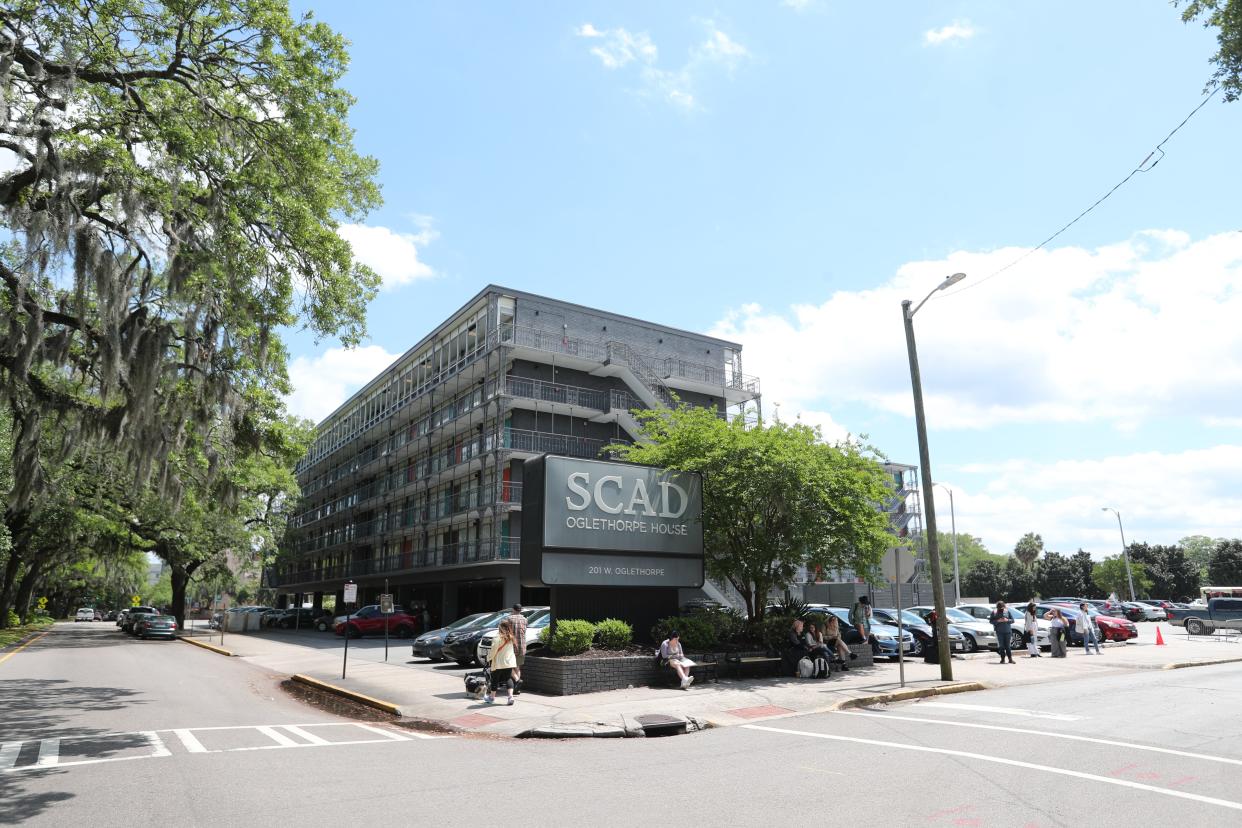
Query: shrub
[614, 634]
[698, 633]
[13, 620]
[571, 636]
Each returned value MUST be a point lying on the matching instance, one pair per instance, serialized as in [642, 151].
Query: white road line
[158, 748]
[49, 753]
[1051, 734]
[396, 737]
[190, 741]
[277, 737]
[1008, 711]
[1000, 760]
[8, 754]
[310, 737]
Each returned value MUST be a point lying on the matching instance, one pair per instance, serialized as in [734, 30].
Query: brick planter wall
[570, 676]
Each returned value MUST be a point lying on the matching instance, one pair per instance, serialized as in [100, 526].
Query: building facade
[416, 481]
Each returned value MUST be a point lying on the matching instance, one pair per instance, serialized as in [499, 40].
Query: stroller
[477, 684]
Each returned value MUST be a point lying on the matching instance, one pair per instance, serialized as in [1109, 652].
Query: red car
[1115, 629]
[370, 621]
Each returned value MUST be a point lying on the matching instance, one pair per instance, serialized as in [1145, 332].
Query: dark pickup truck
[1219, 614]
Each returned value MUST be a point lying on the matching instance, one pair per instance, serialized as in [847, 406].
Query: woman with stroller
[502, 659]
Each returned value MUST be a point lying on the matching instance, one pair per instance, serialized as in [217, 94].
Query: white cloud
[321, 383]
[1119, 334]
[957, 30]
[1162, 497]
[393, 255]
[618, 48]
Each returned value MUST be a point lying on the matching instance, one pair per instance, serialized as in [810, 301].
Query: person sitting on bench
[832, 637]
[671, 655]
[795, 647]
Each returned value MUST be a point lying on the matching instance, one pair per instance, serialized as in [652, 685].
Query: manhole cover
[660, 724]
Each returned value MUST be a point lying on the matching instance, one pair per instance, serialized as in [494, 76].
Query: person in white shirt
[1086, 629]
[671, 655]
[1032, 631]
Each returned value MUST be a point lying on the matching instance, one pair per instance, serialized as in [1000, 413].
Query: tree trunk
[8, 584]
[26, 588]
[180, 576]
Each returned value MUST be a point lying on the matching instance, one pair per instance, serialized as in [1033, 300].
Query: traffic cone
[1159, 638]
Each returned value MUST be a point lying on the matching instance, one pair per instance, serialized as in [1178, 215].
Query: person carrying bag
[502, 659]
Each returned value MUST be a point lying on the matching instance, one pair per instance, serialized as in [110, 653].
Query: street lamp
[957, 576]
[1125, 553]
[933, 547]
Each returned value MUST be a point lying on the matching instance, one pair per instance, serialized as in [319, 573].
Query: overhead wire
[1141, 168]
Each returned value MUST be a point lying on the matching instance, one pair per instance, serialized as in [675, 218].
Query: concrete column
[512, 590]
[318, 601]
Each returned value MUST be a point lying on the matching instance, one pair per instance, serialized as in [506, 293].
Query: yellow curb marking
[378, 704]
[7, 656]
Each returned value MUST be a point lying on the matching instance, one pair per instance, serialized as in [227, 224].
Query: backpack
[821, 668]
[806, 668]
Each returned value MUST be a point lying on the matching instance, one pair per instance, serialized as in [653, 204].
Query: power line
[1143, 167]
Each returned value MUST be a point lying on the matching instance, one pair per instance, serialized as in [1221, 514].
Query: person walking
[672, 655]
[1032, 631]
[860, 617]
[1002, 622]
[519, 645]
[1086, 629]
[1058, 630]
[502, 661]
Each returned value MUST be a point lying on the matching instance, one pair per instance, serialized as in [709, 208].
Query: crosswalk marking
[310, 737]
[8, 754]
[49, 753]
[1008, 711]
[281, 736]
[190, 741]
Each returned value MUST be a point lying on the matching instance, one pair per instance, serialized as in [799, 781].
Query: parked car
[370, 621]
[462, 645]
[1018, 613]
[1115, 629]
[1147, 612]
[268, 617]
[156, 626]
[84, 614]
[430, 645]
[111, 615]
[1218, 614]
[133, 614]
[919, 629]
[1157, 602]
[701, 605]
[979, 634]
[120, 618]
[536, 626]
[299, 618]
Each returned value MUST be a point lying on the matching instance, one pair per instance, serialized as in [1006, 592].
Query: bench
[756, 663]
[701, 671]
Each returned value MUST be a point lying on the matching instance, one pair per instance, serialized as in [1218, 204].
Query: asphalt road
[115, 731]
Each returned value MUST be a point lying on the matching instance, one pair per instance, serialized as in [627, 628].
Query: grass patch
[12, 635]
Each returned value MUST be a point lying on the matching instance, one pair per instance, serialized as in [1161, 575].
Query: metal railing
[455, 554]
[541, 442]
[709, 374]
[534, 389]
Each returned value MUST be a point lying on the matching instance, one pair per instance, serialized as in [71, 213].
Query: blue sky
[786, 173]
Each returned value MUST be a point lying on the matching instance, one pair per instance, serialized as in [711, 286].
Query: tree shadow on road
[42, 708]
[18, 805]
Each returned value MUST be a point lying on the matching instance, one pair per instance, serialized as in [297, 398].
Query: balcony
[457, 554]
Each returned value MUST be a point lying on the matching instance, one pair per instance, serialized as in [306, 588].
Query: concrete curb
[1181, 665]
[378, 704]
[907, 695]
[207, 646]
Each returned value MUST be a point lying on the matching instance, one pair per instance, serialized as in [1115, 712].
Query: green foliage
[775, 497]
[1226, 17]
[614, 634]
[969, 550]
[983, 579]
[1173, 575]
[1019, 581]
[1028, 549]
[772, 631]
[790, 606]
[1225, 565]
[1084, 571]
[12, 619]
[1199, 550]
[1057, 575]
[1110, 576]
[698, 631]
[571, 637]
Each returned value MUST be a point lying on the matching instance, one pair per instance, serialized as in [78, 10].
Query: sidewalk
[435, 692]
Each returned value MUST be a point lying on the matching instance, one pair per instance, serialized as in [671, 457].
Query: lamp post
[1125, 552]
[933, 547]
[957, 575]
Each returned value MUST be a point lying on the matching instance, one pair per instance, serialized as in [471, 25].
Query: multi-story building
[417, 479]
